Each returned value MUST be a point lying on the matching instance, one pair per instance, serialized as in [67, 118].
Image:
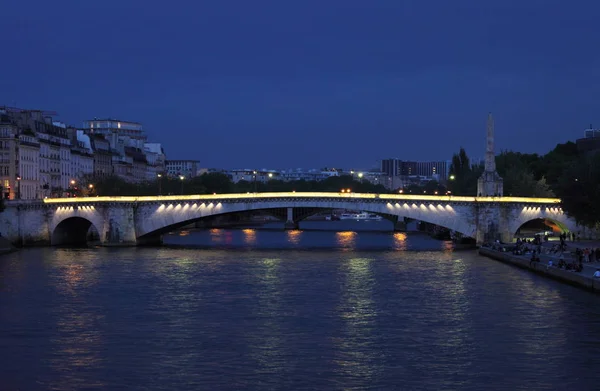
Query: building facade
[186, 168]
[8, 157]
[103, 156]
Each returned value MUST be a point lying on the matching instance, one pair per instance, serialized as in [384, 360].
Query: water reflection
[356, 356]
[249, 236]
[266, 346]
[293, 236]
[218, 236]
[400, 241]
[346, 239]
[78, 342]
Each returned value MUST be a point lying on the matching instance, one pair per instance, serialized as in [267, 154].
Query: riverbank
[583, 279]
[6, 247]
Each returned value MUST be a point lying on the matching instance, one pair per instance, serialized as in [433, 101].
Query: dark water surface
[262, 315]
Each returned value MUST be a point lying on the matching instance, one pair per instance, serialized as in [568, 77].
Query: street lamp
[254, 172]
[181, 177]
[452, 177]
[159, 176]
[91, 189]
[19, 187]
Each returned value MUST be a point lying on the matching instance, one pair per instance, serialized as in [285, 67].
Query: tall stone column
[289, 222]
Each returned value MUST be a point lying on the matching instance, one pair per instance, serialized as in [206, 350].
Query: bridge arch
[75, 230]
[164, 218]
[552, 216]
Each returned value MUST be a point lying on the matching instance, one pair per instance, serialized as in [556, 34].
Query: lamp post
[19, 187]
[72, 187]
[451, 186]
[254, 172]
[159, 176]
[181, 178]
[90, 189]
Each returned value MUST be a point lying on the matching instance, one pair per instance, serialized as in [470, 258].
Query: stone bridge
[142, 220]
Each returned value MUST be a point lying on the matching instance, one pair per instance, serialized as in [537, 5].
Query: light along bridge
[143, 220]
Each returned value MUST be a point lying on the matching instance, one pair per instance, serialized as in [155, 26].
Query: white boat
[360, 216]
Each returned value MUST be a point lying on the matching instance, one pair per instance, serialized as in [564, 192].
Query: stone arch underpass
[165, 218]
[74, 230]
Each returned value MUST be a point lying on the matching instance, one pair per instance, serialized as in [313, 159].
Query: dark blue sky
[311, 83]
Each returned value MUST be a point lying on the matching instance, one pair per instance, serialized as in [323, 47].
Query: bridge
[143, 220]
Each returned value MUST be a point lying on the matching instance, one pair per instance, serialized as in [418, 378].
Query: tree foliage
[579, 188]
[463, 175]
[219, 183]
[516, 169]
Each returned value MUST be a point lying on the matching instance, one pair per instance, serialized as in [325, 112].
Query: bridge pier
[150, 241]
[400, 226]
[119, 226]
[290, 224]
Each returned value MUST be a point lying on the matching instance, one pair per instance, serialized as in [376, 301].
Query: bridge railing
[303, 195]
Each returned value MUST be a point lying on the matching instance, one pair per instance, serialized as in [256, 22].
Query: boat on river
[360, 216]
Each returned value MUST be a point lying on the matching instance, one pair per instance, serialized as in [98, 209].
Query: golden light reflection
[249, 236]
[218, 235]
[357, 310]
[400, 241]
[346, 239]
[78, 341]
[266, 343]
[293, 236]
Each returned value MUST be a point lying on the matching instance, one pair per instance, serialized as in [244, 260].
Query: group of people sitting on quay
[567, 260]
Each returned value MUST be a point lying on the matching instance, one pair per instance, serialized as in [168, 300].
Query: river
[250, 309]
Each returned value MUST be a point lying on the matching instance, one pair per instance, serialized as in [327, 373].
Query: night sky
[290, 84]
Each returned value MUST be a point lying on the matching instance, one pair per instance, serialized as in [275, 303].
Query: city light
[325, 195]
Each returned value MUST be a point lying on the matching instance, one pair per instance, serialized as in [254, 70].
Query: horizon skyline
[472, 157]
[336, 83]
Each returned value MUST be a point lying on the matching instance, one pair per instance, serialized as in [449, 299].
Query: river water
[306, 310]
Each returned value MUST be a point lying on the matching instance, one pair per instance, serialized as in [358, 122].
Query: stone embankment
[583, 279]
[6, 247]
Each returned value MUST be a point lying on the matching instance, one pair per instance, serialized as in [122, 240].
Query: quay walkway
[583, 279]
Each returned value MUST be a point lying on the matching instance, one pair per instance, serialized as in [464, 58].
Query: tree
[579, 189]
[517, 174]
[552, 165]
[463, 176]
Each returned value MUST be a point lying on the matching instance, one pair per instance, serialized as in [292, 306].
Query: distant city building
[156, 158]
[399, 173]
[132, 157]
[186, 168]
[590, 141]
[102, 156]
[110, 128]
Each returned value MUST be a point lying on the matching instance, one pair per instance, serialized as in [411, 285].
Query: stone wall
[129, 223]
